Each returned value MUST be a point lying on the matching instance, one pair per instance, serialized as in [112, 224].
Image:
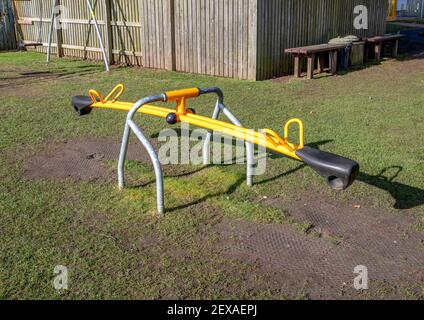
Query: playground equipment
[338, 171]
[392, 9]
[90, 6]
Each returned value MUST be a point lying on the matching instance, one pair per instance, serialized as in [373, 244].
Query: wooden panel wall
[126, 28]
[214, 37]
[242, 39]
[33, 21]
[79, 37]
[7, 29]
[157, 33]
[292, 23]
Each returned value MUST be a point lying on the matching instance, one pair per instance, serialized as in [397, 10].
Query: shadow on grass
[406, 197]
[37, 76]
[231, 189]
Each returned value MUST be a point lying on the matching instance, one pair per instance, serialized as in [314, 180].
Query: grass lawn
[113, 243]
[417, 20]
[394, 28]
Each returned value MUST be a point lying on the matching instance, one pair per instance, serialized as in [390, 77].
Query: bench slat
[315, 48]
[385, 38]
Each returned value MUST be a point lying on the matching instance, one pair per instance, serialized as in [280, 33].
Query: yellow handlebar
[116, 93]
[184, 93]
[301, 131]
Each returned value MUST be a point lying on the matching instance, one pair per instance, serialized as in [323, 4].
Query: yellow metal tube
[338, 171]
[184, 93]
[392, 10]
[274, 142]
[267, 138]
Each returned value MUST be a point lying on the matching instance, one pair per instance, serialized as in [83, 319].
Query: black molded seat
[82, 104]
[339, 172]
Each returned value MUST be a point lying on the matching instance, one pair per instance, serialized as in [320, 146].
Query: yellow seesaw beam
[267, 139]
[339, 172]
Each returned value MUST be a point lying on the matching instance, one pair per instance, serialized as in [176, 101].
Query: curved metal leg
[249, 146]
[122, 156]
[207, 143]
[130, 125]
[156, 164]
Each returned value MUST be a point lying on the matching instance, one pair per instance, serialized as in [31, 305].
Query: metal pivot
[220, 107]
[130, 125]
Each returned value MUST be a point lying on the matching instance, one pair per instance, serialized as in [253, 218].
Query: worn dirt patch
[320, 269]
[392, 235]
[318, 263]
[80, 160]
[24, 84]
[321, 263]
[86, 160]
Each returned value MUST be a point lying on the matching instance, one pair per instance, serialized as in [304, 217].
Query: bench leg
[311, 60]
[396, 49]
[333, 62]
[368, 49]
[378, 49]
[320, 63]
[297, 67]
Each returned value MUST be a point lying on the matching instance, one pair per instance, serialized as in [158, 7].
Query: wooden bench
[378, 43]
[311, 52]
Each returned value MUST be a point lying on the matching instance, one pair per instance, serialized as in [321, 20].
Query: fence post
[108, 33]
[170, 38]
[59, 38]
[422, 9]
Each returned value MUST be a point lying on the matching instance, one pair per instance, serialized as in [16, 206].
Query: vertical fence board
[7, 29]
[242, 39]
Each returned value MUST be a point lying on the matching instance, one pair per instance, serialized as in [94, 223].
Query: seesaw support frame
[130, 125]
[339, 172]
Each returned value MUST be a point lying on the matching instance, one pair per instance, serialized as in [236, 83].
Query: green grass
[393, 28]
[113, 243]
[417, 20]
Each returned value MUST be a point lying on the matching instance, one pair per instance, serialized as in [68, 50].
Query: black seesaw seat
[339, 172]
[82, 104]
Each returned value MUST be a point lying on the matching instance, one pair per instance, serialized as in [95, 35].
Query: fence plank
[7, 29]
[242, 39]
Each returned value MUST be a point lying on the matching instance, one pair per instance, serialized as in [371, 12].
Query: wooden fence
[7, 30]
[242, 39]
[293, 23]
[216, 37]
[118, 20]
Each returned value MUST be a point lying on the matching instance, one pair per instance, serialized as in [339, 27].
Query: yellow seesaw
[338, 171]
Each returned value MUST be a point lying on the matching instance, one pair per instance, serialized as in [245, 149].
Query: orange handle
[184, 93]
